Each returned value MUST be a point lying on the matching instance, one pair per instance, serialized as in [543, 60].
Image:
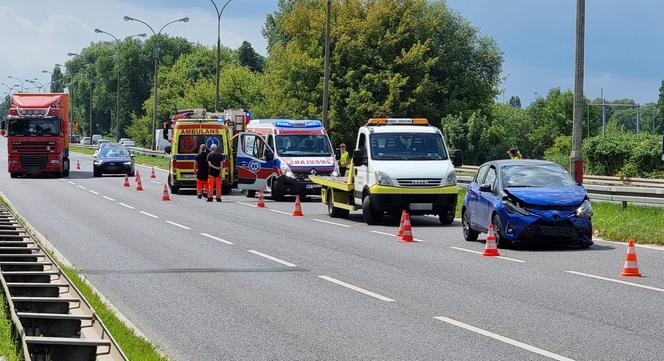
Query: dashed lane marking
[333, 223]
[177, 225]
[246, 204]
[149, 214]
[80, 186]
[126, 205]
[394, 236]
[478, 252]
[70, 182]
[356, 289]
[280, 212]
[109, 198]
[272, 258]
[504, 339]
[93, 192]
[216, 238]
[616, 281]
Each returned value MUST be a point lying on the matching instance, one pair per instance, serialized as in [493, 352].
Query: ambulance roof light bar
[397, 121]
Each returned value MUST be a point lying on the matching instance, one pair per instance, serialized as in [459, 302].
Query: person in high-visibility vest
[514, 154]
[344, 160]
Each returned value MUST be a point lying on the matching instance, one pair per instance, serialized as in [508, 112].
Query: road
[229, 281]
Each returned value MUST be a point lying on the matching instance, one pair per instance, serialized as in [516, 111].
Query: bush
[624, 155]
[560, 151]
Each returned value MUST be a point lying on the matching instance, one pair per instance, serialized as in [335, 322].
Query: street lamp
[117, 95]
[19, 80]
[216, 95]
[156, 65]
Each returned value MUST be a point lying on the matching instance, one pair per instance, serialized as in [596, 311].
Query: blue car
[528, 202]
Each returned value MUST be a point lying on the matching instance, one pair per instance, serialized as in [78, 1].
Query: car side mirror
[457, 159]
[485, 188]
[269, 155]
[167, 149]
[337, 153]
[358, 157]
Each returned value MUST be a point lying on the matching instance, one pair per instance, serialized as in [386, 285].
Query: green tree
[659, 111]
[249, 58]
[57, 80]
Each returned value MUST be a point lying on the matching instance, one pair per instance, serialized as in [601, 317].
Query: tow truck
[398, 164]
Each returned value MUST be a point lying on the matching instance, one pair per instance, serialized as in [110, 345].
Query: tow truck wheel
[174, 189]
[371, 217]
[251, 193]
[333, 211]
[447, 216]
[65, 172]
[13, 175]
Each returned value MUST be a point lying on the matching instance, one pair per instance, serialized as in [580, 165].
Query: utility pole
[603, 112]
[326, 71]
[216, 93]
[576, 157]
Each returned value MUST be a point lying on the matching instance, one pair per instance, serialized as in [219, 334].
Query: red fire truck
[37, 134]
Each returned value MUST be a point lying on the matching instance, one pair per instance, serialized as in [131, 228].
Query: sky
[623, 50]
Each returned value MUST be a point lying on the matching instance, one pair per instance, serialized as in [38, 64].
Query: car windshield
[302, 145]
[188, 144]
[535, 176]
[407, 146]
[33, 127]
[112, 152]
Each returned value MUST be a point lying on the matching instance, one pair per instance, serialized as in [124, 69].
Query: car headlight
[285, 169]
[514, 207]
[450, 180]
[585, 210]
[97, 162]
[383, 179]
[127, 163]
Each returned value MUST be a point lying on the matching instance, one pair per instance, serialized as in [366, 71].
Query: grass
[146, 160]
[134, 346]
[7, 345]
[643, 224]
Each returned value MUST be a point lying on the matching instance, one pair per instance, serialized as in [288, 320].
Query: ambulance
[279, 155]
[192, 127]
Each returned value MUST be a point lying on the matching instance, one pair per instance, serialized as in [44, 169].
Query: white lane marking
[478, 252]
[109, 198]
[285, 263]
[504, 339]
[357, 289]
[70, 182]
[80, 186]
[648, 246]
[155, 182]
[150, 168]
[616, 281]
[62, 180]
[333, 223]
[216, 238]
[280, 212]
[149, 214]
[177, 225]
[247, 204]
[393, 235]
[93, 192]
[126, 205]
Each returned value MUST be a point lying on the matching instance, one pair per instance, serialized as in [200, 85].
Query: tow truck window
[34, 127]
[407, 146]
[188, 144]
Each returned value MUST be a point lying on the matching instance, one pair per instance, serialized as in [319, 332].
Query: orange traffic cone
[407, 234]
[152, 174]
[138, 176]
[126, 182]
[490, 248]
[139, 184]
[165, 197]
[631, 269]
[297, 212]
[78, 165]
[261, 199]
[400, 230]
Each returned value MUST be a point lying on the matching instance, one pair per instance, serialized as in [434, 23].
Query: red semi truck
[36, 128]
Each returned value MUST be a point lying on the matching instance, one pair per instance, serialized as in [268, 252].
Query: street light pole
[156, 64]
[19, 80]
[216, 94]
[576, 156]
[326, 70]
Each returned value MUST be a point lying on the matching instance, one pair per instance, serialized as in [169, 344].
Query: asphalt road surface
[229, 281]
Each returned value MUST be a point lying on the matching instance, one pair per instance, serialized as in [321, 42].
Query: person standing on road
[201, 169]
[514, 154]
[344, 162]
[214, 160]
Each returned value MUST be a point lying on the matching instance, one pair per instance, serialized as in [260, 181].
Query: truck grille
[419, 182]
[34, 161]
[33, 147]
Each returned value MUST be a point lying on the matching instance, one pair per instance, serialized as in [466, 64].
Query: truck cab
[280, 154]
[403, 164]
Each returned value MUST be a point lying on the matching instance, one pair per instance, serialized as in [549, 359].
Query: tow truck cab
[280, 154]
[404, 164]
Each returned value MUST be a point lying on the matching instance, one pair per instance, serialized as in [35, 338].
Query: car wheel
[371, 217]
[501, 242]
[251, 193]
[96, 172]
[468, 233]
[174, 189]
[226, 188]
[447, 216]
[13, 175]
[277, 192]
[333, 211]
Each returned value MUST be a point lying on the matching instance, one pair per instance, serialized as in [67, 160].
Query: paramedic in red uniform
[201, 169]
[214, 160]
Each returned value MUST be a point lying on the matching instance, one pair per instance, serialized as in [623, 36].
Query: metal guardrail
[52, 320]
[136, 150]
[621, 194]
